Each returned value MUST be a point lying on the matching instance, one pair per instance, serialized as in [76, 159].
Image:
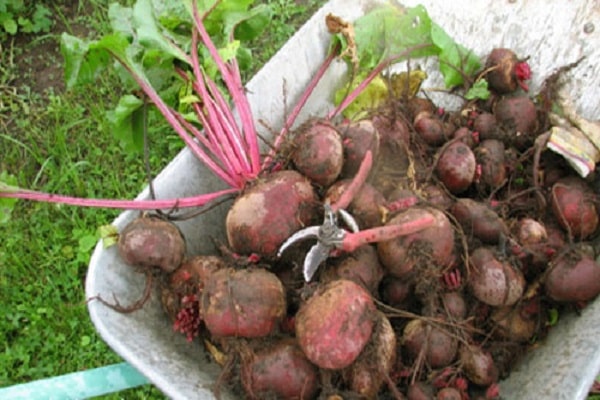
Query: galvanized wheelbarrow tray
[552, 34]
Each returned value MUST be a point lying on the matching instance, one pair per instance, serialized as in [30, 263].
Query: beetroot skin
[248, 303]
[279, 371]
[335, 324]
[318, 152]
[152, 242]
[270, 212]
[456, 167]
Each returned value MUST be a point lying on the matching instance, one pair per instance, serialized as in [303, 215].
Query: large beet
[152, 242]
[335, 324]
[434, 244]
[247, 303]
[280, 371]
[270, 212]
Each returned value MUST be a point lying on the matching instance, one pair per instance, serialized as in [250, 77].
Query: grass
[60, 142]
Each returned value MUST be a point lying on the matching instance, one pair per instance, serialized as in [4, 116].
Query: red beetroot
[573, 277]
[420, 391]
[449, 393]
[318, 153]
[430, 129]
[479, 220]
[573, 207]
[506, 73]
[367, 374]
[358, 138]
[188, 280]
[152, 242]
[361, 266]
[247, 303]
[490, 156]
[456, 167]
[530, 232]
[434, 244]
[454, 305]
[486, 125]
[513, 323]
[439, 346]
[335, 324]
[269, 212]
[280, 371]
[494, 281]
[395, 291]
[367, 206]
[478, 365]
[517, 116]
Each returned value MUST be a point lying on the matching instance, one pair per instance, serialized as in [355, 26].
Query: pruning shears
[329, 236]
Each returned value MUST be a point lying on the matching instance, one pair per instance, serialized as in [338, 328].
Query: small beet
[430, 245]
[530, 232]
[367, 206]
[367, 374]
[335, 324]
[361, 266]
[490, 156]
[448, 393]
[456, 167]
[487, 126]
[420, 391]
[574, 208]
[152, 242]
[478, 220]
[493, 281]
[517, 116]
[430, 129]
[573, 277]
[188, 280]
[318, 152]
[506, 72]
[358, 138]
[478, 365]
[395, 291]
[511, 323]
[246, 303]
[279, 371]
[454, 305]
[439, 346]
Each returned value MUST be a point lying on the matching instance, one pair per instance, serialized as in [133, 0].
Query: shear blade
[316, 255]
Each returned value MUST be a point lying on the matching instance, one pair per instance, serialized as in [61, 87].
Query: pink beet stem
[354, 240]
[194, 201]
[298, 107]
[233, 81]
[402, 204]
[171, 117]
[215, 126]
[357, 182]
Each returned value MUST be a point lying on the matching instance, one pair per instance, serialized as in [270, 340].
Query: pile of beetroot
[502, 237]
